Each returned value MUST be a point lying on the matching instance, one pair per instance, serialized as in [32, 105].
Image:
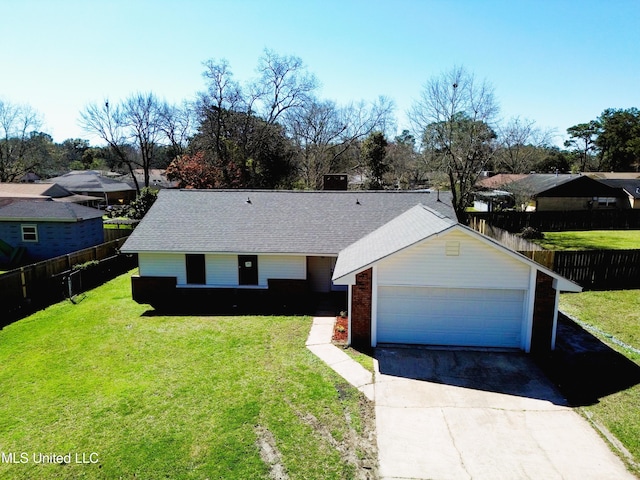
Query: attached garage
[423, 278]
[451, 316]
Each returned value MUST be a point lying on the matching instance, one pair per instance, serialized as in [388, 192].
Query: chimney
[335, 181]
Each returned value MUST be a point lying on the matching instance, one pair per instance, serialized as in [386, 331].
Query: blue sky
[558, 63]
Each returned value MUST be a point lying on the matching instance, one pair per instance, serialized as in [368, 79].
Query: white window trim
[34, 232]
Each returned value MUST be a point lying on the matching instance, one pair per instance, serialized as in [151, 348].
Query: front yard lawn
[617, 314]
[174, 397]
[591, 240]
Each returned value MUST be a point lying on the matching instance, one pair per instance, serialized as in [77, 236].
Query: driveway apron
[454, 414]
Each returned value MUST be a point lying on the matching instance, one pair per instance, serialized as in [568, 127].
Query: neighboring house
[195, 242]
[92, 183]
[630, 189]
[43, 191]
[423, 278]
[46, 229]
[551, 192]
[157, 179]
[488, 197]
[499, 180]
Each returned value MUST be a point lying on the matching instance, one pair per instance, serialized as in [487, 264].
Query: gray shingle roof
[299, 222]
[47, 211]
[630, 186]
[89, 182]
[415, 225]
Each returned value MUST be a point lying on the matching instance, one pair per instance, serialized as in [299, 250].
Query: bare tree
[326, 133]
[132, 129]
[454, 115]
[178, 124]
[17, 123]
[144, 116]
[520, 145]
[284, 84]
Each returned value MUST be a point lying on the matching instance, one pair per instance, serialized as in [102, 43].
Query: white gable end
[454, 259]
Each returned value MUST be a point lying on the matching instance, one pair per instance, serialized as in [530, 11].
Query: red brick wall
[361, 310]
[543, 313]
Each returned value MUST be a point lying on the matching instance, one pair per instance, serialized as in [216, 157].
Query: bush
[530, 233]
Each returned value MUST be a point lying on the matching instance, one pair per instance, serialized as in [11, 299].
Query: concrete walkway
[319, 342]
[469, 415]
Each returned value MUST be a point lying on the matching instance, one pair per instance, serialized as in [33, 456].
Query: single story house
[398, 259]
[563, 192]
[630, 189]
[43, 191]
[92, 183]
[47, 229]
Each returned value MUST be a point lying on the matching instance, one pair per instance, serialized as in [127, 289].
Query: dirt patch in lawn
[358, 449]
[270, 454]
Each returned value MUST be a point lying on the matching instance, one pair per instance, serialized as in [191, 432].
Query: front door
[248, 269]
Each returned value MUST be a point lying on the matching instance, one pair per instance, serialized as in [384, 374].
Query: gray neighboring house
[629, 187]
[220, 245]
[92, 183]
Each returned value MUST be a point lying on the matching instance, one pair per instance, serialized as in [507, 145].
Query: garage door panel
[439, 316]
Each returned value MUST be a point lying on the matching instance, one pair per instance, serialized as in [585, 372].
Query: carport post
[533, 275]
[374, 306]
[555, 314]
[349, 294]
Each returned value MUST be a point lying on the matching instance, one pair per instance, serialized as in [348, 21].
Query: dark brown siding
[543, 313]
[361, 310]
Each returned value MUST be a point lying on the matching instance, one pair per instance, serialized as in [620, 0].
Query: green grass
[362, 358]
[591, 240]
[617, 313]
[170, 397]
[614, 312]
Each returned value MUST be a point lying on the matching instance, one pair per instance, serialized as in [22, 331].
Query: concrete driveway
[454, 414]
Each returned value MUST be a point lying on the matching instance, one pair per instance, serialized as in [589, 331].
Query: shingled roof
[259, 221]
[409, 228]
[36, 211]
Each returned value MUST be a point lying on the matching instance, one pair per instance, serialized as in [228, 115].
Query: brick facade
[543, 313]
[361, 310]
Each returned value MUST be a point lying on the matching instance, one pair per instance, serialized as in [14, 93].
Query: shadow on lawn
[234, 302]
[584, 368]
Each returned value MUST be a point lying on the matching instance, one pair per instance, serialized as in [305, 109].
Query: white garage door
[446, 316]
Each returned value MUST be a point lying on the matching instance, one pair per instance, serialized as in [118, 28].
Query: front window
[29, 233]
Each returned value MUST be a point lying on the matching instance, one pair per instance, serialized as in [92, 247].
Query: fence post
[23, 282]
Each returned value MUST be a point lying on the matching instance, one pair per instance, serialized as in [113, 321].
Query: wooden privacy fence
[600, 269]
[562, 221]
[502, 236]
[40, 284]
[592, 269]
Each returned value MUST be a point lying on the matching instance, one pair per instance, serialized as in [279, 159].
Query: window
[606, 201]
[196, 272]
[29, 233]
